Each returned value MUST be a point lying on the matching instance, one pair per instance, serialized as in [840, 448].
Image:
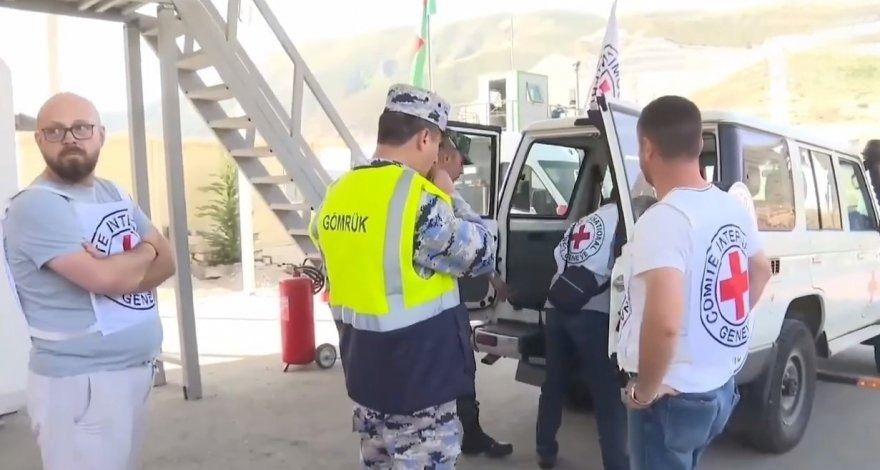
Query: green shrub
[224, 238]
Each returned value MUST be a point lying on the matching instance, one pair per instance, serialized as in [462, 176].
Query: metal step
[272, 179]
[241, 122]
[193, 61]
[256, 152]
[211, 93]
[109, 4]
[153, 30]
[86, 4]
[134, 6]
[298, 231]
[299, 206]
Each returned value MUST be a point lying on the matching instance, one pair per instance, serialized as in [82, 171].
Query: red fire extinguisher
[298, 321]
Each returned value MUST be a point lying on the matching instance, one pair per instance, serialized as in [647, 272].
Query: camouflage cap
[417, 102]
[462, 143]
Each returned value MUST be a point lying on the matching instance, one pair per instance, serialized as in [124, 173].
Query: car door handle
[816, 260]
[618, 284]
[861, 255]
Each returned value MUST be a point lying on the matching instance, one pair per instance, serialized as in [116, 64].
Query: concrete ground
[255, 417]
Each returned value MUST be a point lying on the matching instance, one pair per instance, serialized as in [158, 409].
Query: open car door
[478, 186]
[581, 159]
[636, 195]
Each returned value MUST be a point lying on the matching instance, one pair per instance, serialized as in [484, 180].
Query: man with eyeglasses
[84, 260]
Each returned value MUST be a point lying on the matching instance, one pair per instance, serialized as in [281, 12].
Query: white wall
[529, 112]
[14, 341]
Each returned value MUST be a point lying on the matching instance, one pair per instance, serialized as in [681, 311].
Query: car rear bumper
[525, 342]
[513, 339]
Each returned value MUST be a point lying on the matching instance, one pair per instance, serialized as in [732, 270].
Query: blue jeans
[675, 431]
[581, 339]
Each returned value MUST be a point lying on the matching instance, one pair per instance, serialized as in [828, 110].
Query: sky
[92, 56]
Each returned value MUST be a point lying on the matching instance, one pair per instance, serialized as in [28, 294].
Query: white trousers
[90, 421]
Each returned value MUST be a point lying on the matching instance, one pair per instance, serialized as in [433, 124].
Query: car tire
[875, 343]
[877, 356]
[776, 408]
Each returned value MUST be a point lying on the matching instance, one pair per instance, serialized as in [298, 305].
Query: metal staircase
[191, 39]
[209, 41]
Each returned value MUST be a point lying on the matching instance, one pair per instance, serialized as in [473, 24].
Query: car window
[856, 199]
[562, 174]
[709, 158]
[607, 186]
[767, 174]
[625, 125]
[546, 183]
[811, 200]
[826, 185]
[475, 184]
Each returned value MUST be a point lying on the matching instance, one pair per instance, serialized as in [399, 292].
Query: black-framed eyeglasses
[78, 131]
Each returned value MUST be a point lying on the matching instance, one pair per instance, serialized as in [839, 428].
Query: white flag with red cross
[607, 80]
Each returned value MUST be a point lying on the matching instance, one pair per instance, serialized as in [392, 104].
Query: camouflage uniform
[443, 241]
[427, 439]
[463, 210]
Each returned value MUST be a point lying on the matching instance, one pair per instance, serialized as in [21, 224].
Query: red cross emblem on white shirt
[737, 286]
[581, 236]
[127, 242]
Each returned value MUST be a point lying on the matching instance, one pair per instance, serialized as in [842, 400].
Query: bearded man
[84, 260]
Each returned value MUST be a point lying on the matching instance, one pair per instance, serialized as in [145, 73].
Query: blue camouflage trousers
[427, 439]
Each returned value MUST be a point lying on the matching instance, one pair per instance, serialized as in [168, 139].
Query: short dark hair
[674, 125]
[397, 128]
[446, 144]
[872, 149]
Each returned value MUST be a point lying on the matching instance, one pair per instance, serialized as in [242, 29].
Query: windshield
[562, 174]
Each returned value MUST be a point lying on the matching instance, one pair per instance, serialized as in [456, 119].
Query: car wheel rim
[791, 388]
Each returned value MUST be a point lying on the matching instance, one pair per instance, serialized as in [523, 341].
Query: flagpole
[512, 66]
[430, 58]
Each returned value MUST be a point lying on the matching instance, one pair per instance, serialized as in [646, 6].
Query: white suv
[815, 209]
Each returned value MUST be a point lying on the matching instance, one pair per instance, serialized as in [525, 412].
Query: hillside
[356, 74]
[753, 27]
[715, 58]
[826, 85]
[659, 51]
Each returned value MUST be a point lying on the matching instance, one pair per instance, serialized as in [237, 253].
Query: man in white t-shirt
[696, 271]
[577, 343]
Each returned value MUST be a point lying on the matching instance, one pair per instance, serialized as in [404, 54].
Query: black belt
[623, 377]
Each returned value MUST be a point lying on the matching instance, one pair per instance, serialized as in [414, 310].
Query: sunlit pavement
[253, 416]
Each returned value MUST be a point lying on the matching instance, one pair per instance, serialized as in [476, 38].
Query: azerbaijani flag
[420, 66]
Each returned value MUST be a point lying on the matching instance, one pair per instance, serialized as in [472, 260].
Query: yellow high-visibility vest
[365, 229]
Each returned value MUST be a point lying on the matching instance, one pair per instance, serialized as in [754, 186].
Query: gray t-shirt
[40, 226]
